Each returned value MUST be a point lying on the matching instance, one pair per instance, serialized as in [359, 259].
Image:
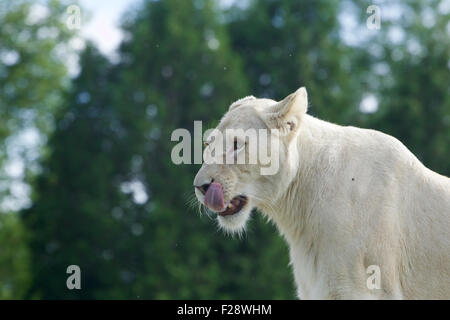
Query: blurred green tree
[33, 41]
[410, 78]
[32, 69]
[114, 203]
[14, 258]
[70, 222]
[178, 67]
[288, 44]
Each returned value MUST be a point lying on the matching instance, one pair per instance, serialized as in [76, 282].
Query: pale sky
[103, 25]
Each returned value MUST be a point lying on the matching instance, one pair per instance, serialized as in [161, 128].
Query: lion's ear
[239, 102]
[286, 115]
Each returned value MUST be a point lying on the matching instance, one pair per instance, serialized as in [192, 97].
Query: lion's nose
[204, 187]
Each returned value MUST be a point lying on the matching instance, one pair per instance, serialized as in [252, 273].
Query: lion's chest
[311, 283]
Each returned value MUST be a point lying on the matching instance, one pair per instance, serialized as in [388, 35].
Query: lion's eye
[205, 144]
[238, 145]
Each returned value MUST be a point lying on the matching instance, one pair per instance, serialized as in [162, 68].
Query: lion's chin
[234, 223]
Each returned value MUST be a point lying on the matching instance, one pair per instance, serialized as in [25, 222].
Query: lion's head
[235, 182]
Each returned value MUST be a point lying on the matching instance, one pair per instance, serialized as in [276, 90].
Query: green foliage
[414, 94]
[288, 44]
[71, 209]
[195, 77]
[175, 67]
[33, 41]
[14, 258]
[33, 44]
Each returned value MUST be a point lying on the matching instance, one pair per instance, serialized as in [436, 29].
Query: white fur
[345, 198]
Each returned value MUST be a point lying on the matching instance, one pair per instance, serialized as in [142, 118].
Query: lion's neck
[295, 210]
[313, 149]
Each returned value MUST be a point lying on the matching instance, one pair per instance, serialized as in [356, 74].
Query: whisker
[191, 201]
[267, 202]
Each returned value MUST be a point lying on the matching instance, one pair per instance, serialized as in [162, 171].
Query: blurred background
[86, 115]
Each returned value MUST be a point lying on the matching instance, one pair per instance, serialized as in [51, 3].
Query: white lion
[344, 198]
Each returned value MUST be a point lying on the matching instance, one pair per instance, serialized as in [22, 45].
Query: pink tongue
[214, 197]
